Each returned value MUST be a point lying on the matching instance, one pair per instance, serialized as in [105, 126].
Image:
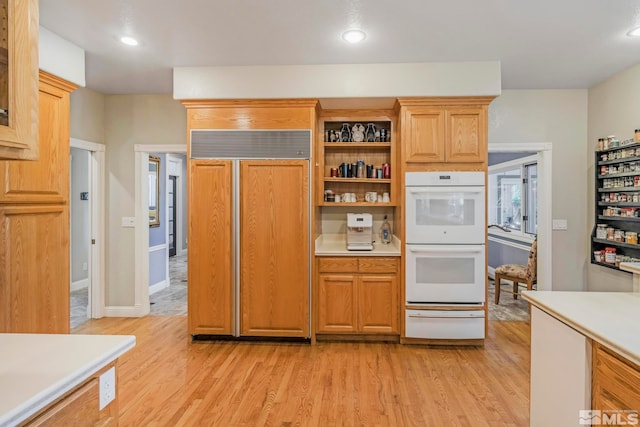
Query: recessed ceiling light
[634, 33]
[354, 36]
[130, 41]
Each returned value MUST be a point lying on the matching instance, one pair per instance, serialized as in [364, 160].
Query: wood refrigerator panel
[274, 248]
[210, 256]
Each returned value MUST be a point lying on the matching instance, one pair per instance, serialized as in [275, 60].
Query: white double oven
[445, 255]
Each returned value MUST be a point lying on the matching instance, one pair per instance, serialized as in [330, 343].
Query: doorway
[520, 199]
[86, 192]
[172, 213]
[168, 297]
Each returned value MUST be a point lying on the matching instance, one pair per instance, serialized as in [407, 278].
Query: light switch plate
[128, 221]
[107, 387]
[559, 224]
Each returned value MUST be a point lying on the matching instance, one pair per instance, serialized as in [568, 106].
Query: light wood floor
[168, 380]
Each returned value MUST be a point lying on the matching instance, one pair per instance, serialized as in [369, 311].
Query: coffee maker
[359, 232]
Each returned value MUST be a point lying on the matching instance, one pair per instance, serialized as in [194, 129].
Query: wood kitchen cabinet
[615, 382]
[34, 213]
[19, 79]
[80, 407]
[357, 295]
[435, 130]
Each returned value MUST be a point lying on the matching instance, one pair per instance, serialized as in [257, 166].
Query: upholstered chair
[520, 275]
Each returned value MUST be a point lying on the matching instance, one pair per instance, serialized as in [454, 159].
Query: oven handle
[424, 190]
[425, 316]
[448, 250]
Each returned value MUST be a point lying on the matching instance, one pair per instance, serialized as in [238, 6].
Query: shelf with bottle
[618, 189]
[357, 132]
[618, 244]
[357, 155]
[617, 206]
[619, 160]
[618, 218]
[611, 246]
[619, 146]
[620, 204]
[630, 173]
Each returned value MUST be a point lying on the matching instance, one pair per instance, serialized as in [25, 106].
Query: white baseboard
[123, 311]
[158, 287]
[79, 284]
[491, 272]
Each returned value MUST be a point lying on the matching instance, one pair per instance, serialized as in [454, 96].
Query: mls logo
[590, 417]
[608, 417]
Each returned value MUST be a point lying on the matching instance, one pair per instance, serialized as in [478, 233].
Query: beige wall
[87, 115]
[558, 117]
[130, 120]
[614, 109]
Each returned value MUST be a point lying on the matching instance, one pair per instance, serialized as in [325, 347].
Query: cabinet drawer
[377, 265]
[338, 265]
[615, 380]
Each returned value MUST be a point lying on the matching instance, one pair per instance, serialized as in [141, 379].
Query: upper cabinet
[441, 130]
[19, 79]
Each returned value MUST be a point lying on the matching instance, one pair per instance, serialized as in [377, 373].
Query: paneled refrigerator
[249, 243]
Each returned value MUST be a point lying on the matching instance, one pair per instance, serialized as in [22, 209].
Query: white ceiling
[542, 44]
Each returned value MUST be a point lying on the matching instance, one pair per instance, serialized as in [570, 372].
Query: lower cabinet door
[377, 304]
[34, 271]
[337, 303]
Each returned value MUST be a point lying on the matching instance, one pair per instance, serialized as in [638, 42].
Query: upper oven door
[445, 273]
[445, 215]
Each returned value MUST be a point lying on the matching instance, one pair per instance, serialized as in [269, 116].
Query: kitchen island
[60, 379]
[585, 355]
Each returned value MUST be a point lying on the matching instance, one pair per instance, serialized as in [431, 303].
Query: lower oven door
[442, 324]
[445, 274]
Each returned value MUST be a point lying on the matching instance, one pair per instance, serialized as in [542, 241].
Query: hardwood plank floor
[167, 380]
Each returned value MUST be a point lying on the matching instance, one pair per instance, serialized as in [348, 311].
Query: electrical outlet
[107, 387]
[85, 267]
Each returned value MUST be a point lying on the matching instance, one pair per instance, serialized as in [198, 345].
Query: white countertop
[610, 318]
[336, 245]
[633, 267]
[37, 369]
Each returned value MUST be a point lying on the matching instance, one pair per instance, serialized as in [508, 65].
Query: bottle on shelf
[385, 232]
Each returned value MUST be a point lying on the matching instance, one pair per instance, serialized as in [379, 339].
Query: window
[513, 195]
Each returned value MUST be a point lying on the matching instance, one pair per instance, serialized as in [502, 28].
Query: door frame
[141, 257]
[97, 250]
[545, 215]
[179, 211]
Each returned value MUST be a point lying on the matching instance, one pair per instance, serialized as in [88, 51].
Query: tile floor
[508, 309]
[171, 301]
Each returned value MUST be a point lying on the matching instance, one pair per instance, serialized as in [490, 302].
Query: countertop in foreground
[37, 369]
[610, 318]
[336, 245]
